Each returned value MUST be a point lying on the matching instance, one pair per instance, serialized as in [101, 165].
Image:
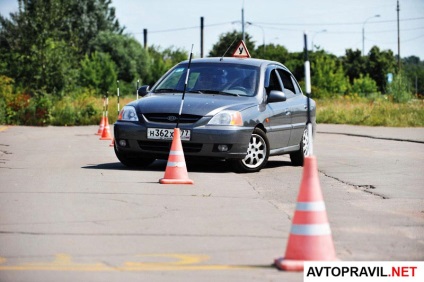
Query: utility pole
[363, 32]
[145, 38]
[202, 26]
[242, 23]
[398, 32]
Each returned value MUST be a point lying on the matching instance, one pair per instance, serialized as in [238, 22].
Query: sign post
[308, 95]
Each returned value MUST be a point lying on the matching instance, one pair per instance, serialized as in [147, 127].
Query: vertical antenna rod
[185, 86]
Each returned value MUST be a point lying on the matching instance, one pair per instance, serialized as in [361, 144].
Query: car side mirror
[276, 96]
[143, 90]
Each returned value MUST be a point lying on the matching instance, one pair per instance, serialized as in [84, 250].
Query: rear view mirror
[276, 96]
[143, 90]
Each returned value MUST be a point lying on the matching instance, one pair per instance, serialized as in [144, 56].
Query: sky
[331, 25]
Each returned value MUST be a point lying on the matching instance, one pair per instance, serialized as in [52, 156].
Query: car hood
[194, 104]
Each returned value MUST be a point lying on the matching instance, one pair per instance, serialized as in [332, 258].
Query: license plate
[167, 134]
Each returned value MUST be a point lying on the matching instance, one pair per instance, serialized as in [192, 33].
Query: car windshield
[212, 78]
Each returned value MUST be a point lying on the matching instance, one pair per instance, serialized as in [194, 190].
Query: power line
[182, 28]
[339, 23]
[277, 24]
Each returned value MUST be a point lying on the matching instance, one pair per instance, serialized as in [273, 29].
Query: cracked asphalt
[70, 211]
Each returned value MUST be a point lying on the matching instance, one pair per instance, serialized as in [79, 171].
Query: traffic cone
[101, 126]
[102, 121]
[106, 131]
[113, 143]
[176, 170]
[310, 235]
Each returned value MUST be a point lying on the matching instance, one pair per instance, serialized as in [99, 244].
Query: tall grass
[86, 108]
[376, 112]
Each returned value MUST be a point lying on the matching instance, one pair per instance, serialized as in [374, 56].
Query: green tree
[354, 64]
[99, 72]
[378, 65]
[271, 52]
[296, 64]
[86, 19]
[130, 58]
[413, 70]
[32, 41]
[327, 75]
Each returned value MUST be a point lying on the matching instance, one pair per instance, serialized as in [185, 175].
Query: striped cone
[101, 126]
[310, 235]
[176, 170]
[106, 131]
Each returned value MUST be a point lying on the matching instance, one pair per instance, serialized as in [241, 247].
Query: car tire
[257, 153]
[134, 160]
[298, 157]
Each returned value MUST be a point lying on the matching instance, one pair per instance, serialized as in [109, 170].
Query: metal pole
[242, 24]
[201, 36]
[308, 95]
[398, 32]
[117, 82]
[363, 33]
[136, 90]
[145, 38]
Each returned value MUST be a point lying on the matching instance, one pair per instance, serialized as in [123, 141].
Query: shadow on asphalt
[208, 166]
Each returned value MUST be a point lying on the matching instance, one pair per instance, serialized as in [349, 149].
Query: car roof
[233, 60]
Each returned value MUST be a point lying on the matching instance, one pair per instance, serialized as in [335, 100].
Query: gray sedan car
[239, 110]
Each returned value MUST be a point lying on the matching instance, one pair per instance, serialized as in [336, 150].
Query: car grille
[157, 146]
[171, 118]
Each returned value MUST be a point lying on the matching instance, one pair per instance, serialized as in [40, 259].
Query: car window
[213, 78]
[172, 79]
[287, 82]
[296, 85]
[274, 82]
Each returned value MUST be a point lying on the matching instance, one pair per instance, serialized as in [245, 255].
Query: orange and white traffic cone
[101, 126]
[102, 121]
[106, 131]
[176, 169]
[310, 235]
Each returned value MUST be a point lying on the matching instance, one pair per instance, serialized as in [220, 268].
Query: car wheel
[257, 153]
[298, 156]
[134, 160]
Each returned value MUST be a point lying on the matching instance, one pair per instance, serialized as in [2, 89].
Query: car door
[280, 118]
[297, 106]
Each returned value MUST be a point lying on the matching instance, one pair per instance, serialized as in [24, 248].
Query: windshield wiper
[166, 90]
[210, 91]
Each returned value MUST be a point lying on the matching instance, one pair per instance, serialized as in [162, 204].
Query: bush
[364, 86]
[77, 109]
[400, 90]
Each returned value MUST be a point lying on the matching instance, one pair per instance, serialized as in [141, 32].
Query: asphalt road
[69, 211]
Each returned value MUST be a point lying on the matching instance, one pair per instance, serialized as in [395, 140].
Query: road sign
[389, 77]
[241, 51]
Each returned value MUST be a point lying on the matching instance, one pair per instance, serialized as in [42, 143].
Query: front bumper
[204, 141]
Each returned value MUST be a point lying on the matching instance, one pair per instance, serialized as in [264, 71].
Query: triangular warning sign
[241, 51]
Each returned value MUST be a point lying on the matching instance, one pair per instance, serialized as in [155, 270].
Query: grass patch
[86, 108]
[377, 112]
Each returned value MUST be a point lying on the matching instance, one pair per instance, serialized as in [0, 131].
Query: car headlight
[227, 118]
[128, 113]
